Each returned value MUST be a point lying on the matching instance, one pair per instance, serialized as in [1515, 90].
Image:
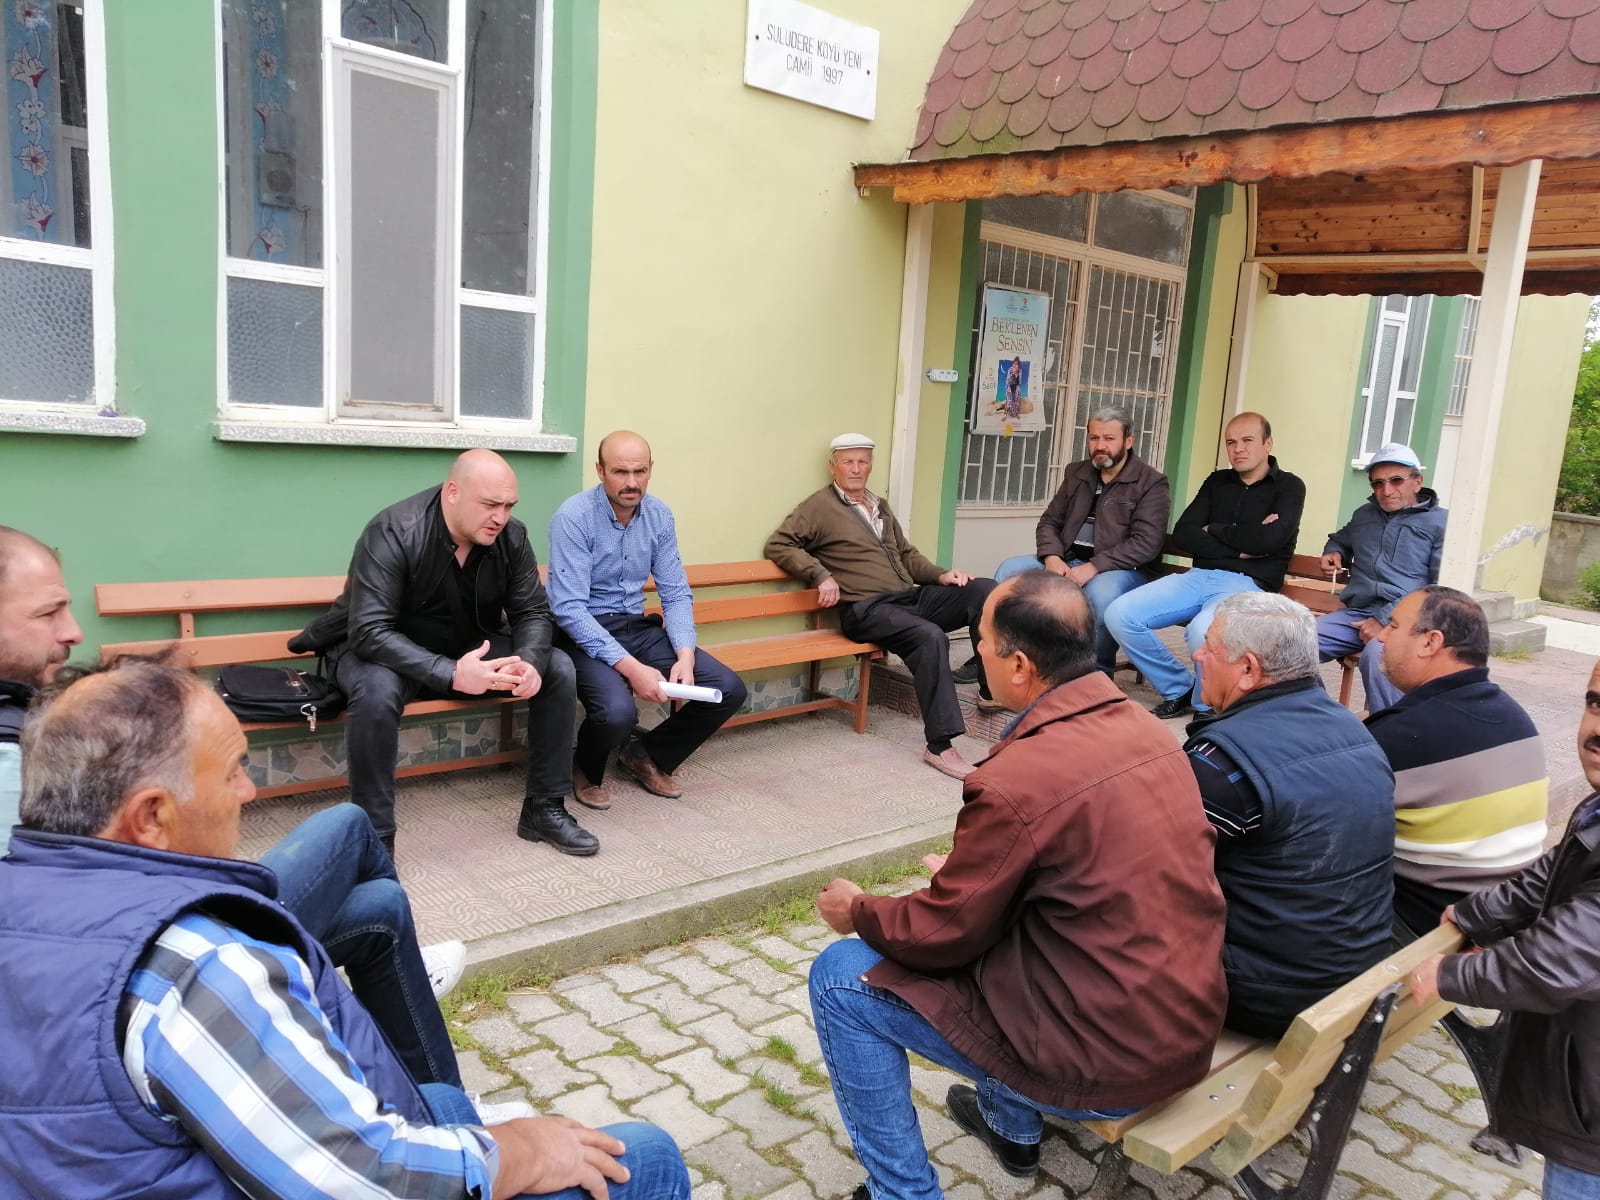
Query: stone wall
[1574, 544]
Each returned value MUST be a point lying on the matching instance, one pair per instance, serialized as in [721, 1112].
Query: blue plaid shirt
[599, 565]
[226, 1039]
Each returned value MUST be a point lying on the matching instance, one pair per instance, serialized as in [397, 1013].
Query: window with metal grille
[1115, 300]
[1461, 369]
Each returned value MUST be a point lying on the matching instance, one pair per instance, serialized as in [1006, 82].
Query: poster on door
[1009, 383]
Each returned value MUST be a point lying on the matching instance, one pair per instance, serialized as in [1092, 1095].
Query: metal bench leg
[1481, 1045]
[1110, 1176]
[1333, 1108]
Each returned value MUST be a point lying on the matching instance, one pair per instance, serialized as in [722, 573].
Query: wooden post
[908, 370]
[1491, 362]
[1234, 397]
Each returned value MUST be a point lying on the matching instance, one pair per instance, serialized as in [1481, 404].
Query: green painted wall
[1200, 297]
[176, 504]
[961, 352]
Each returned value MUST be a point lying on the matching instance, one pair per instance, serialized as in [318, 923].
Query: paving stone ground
[712, 1040]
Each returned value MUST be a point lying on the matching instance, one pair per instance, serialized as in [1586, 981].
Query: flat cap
[852, 441]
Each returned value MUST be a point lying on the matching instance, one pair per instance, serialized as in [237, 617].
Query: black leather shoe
[549, 821]
[1175, 707]
[861, 1193]
[967, 672]
[1015, 1158]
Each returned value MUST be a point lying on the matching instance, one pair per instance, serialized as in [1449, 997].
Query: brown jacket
[1072, 944]
[825, 536]
[1129, 526]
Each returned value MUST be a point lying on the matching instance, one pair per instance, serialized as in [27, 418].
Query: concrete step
[1497, 606]
[1516, 637]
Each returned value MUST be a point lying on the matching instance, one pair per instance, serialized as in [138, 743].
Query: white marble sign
[807, 54]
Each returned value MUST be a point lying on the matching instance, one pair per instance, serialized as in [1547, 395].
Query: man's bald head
[1044, 617]
[623, 467]
[37, 629]
[477, 497]
[622, 443]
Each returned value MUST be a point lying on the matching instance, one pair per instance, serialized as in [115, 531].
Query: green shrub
[1589, 584]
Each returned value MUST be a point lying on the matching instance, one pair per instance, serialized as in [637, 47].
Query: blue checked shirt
[226, 1039]
[598, 565]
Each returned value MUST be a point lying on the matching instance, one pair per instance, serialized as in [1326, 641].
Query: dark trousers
[1418, 906]
[372, 727]
[608, 705]
[914, 624]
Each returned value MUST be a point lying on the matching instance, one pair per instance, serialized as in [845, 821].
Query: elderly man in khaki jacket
[844, 541]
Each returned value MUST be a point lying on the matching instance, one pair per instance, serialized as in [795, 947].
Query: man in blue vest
[1303, 803]
[333, 873]
[172, 1031]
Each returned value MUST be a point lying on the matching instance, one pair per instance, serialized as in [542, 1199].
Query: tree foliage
[1579, 488]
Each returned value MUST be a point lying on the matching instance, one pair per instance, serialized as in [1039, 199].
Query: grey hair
[84, 754]
[1280, 632]
[1111, 412]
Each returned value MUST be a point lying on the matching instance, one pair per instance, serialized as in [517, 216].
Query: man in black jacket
[1539, 934]
[444, 601]
[1240, 529]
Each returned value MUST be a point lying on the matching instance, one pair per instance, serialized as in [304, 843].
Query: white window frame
[1411, 339]
[327, 423]
[19, 412]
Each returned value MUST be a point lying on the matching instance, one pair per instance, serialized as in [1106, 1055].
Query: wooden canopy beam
[1556, 130]
[1433, 283]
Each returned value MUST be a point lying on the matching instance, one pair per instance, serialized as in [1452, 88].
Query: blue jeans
[336, 878]
[1337, 636]
[865, 1032]
[1568, 1183]
[1100, 591]
[654, 1162]
[1190, 596]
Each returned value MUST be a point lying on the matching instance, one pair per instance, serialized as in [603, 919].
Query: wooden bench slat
[1230, 1048]
[215, 595]
[213, 650]
[785, 650]
[1193, 1121]
[745, 608]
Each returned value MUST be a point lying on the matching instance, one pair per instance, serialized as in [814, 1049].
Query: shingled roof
[1045, 74]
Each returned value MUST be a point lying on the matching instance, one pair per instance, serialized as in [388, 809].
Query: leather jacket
[404, 554]
[1540, 931]
[1130, 524]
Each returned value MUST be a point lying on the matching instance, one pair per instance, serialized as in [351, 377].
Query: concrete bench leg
[1333, 1108]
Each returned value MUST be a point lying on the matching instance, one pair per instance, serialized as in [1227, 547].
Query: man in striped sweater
[1470, 787]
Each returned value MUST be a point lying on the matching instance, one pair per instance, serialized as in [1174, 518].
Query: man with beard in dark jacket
[1066, 955]
[1391, 546]
[1538, 958]
[444, 601]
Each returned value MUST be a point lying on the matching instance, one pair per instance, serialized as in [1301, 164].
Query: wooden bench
[1257, 1093]
[1306, 582]
[189, 600]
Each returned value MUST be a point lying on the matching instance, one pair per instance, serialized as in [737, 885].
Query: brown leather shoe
[633, 759]
[590, 795]
[949, 762]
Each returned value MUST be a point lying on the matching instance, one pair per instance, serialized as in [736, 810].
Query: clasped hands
[476, 674]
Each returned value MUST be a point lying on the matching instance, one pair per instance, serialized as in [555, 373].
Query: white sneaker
[499, 1114]
[444, 962]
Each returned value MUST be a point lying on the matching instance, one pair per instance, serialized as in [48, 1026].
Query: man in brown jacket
[1067, 954]
[845, 542]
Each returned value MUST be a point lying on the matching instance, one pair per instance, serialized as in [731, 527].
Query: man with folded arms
[172, 1031]
[1067, 955]
[845, 542]
[605, 544]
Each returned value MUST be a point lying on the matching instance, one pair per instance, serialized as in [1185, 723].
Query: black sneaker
[967, 672]
[1020, 1159]
[1175, 707]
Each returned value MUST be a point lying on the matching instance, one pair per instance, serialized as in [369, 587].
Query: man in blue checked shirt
[604, 544]
[170, 1030]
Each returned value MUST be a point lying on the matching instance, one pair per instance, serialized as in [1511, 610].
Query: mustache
[1592, 744]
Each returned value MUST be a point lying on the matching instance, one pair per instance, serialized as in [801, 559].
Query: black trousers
[608, 705]
[372, 727]
[914, 624]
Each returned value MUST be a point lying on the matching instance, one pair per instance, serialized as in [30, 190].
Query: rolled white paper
[685, 691]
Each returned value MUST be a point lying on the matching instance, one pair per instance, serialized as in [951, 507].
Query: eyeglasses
[1392, 481]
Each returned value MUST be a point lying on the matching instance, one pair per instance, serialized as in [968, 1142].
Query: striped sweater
[1470, 787]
